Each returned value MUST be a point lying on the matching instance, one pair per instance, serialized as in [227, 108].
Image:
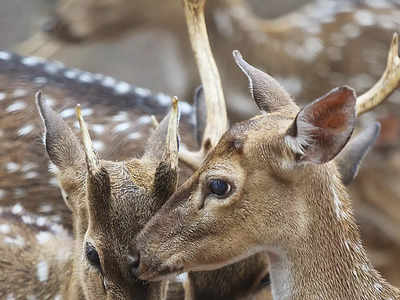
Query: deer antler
[91, 157]
[217, 120]
[387, 83]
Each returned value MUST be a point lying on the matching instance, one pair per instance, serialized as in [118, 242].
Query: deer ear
[349, 160]
[61, 144]
[323, 127]
[200, 113]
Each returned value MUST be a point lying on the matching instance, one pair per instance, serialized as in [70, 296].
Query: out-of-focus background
[309, 46]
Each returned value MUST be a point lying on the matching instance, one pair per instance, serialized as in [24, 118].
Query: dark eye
[266, 281]
[92, 256]
[219, 187]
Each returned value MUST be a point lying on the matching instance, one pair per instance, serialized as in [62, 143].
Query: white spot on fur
[31, 297]
[18, 241]
[5, 228]
[25, 130]
[86, 77]
[28, 166]
[364, 18]
[351, 30]
[182, 277]
[17, 105]
[12, 167]
[18, 93]
[43, 237]
[41, 221]
[144, 120]
[2, 96]
[142, 92]
[53, 67]
[72, 73]
[98, 76]
[32, 61]
[66, 113]
[2, 193]
[58, 297]
[40, 80]
[134, 135]
[5, 55]
[122, 127]
[98, 128]
[27, 219]
[122, 88]
[45, 208]
[17, 209]
[42, 271]
[31, 175]
[108, 81]
[163, 99]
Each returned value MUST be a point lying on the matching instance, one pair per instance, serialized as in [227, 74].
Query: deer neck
[329, 261]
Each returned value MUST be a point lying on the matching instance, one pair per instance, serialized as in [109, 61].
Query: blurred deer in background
[271, 184]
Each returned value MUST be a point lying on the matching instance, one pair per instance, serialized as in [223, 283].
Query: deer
[104, 197]
[271, 184]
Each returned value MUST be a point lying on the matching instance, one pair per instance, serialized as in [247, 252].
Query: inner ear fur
[322, 128]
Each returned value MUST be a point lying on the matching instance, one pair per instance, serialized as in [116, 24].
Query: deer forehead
[251, 137]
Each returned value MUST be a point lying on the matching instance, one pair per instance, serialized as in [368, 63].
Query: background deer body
[270, 185]
[111, 106]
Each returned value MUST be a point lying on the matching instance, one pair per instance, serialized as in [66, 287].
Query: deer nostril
[133, 263]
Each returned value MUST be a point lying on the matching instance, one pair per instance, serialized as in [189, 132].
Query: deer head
[111, 202]
[269, 184]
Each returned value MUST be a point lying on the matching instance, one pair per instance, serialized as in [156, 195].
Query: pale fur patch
[42, 271]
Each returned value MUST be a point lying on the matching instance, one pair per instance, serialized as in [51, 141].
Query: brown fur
[40, 194]
[283, 199]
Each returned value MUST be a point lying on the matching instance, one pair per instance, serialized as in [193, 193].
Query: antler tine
[91, 157]
[387, 83]
[217, 120]
[172, 135]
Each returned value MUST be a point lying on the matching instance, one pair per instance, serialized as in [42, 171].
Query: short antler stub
[91, 157]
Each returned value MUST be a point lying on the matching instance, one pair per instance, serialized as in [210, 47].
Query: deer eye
[92, 256]
[219, 187]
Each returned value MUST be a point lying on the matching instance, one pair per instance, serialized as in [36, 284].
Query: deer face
[250, 192]
[111, 202]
